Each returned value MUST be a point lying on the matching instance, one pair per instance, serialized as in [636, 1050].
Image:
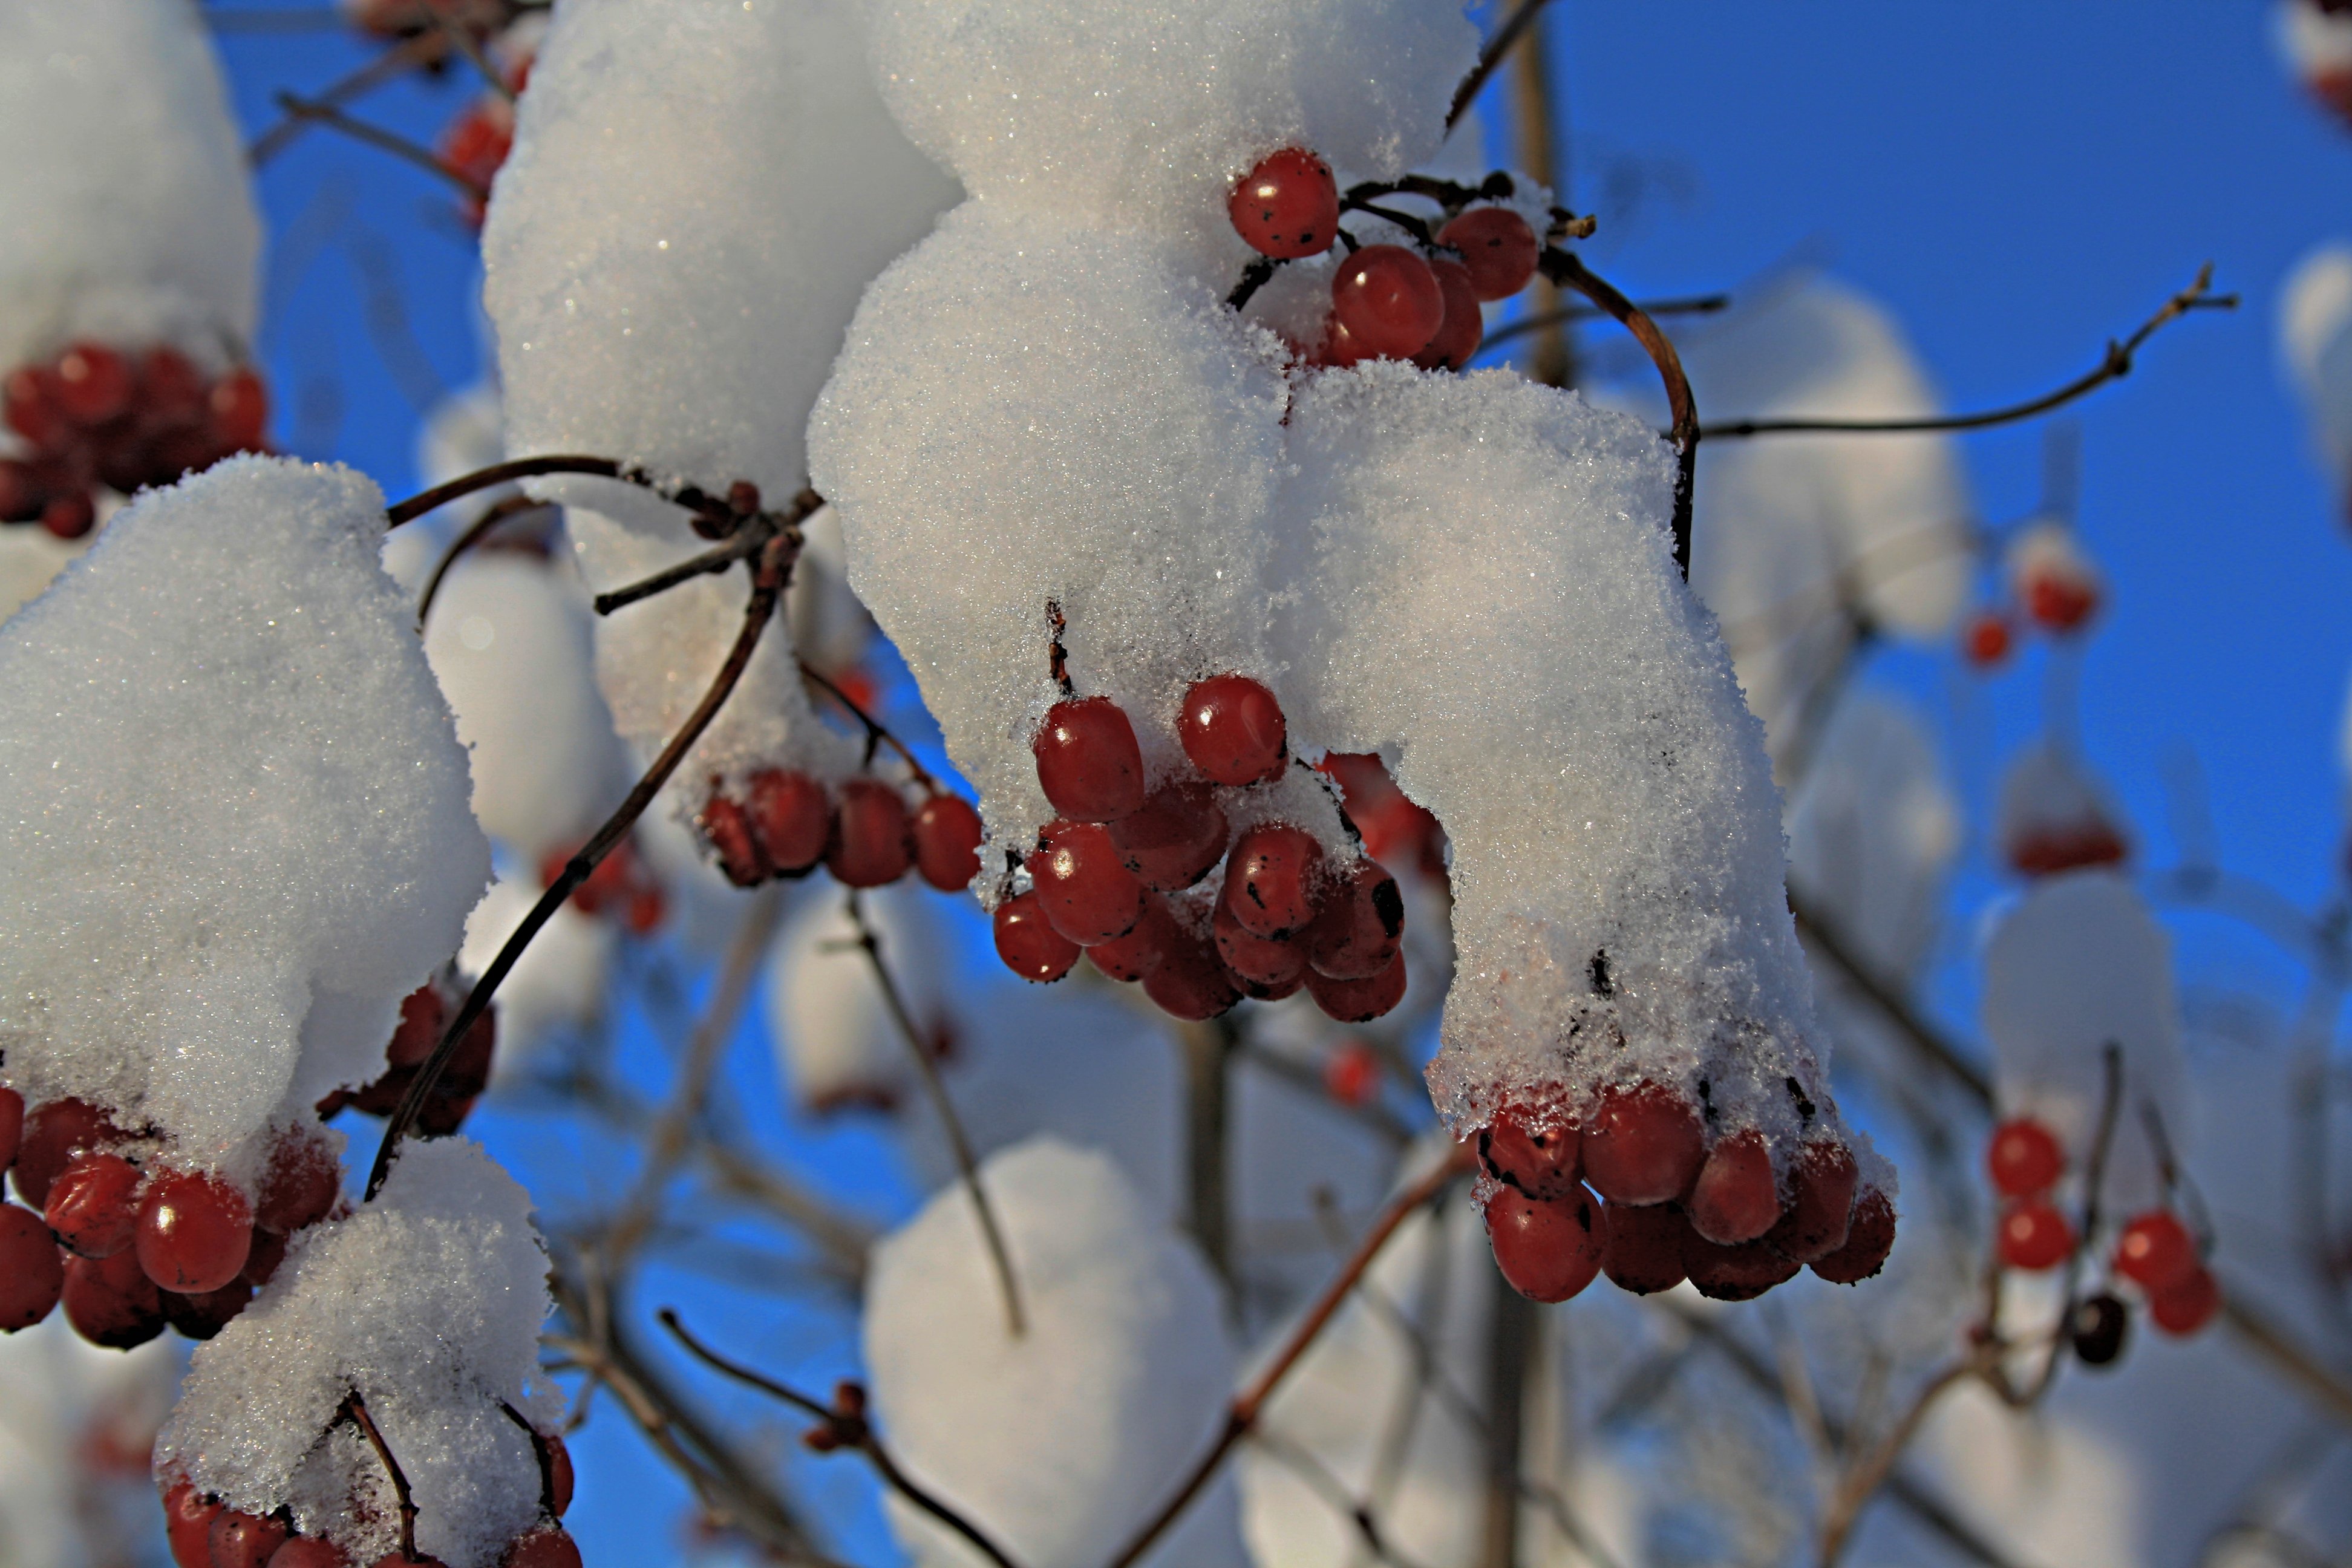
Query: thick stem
[356, 1409]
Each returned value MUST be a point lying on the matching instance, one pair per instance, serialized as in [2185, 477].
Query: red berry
[1190, 980]
[869, 845]
[1288, 206]
[468, 1072]
[1738, 1273]
[268, 1252]
[1271, 880]
[242, 1539]
[1644, 1145]
[1540, 1162]
[93, 384]
[1135, 954]
[188, 1518]
[195, 1232]
[1360, 926]
[947, 843]
[1985, 640]
[70, 516]
[1261, 966]
[1175, 838]
[559, 1474]
[394, 1560]
[2188, 1306]
[202, 1317]
[1821, 1202]
[54, 1134]
[1029, 944]
[546, 1547]
[302, 1185]
[1462, 329]
[32, 1270]
[239, 409]
[423, 1014]
[1083, 883]
[28, 403]
[1388, 299]
[2024, 1159]
[1869, 1237]
[727, 828]
[1549, 1248]
[789, 818]
[1087, 761]
[1232, 729]
[2156, 1252]
[12, 1125]
[2059, 603]
[1339, 348]
[1351, 1075]
[1499, 249]
[1359, 1001]
[21, 496]
[2034, 1236]
[171, 390]
[110, 1301]
[1643, 1245]
[93, 1205]
[1736, 1197]
[309, 1552]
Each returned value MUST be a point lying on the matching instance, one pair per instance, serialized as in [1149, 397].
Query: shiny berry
[1136, 952]
[268, 1252]
[727, 827]
[2156, 1252]
[1028, 943]
[300, 1187]
[1739, 1273]
[171, 390]
[2059, 603]
[2188, 1306]
[1869, 1237]
[1360, 925]
[1820, 1205]
[239, 409]
[1462, 328]
[1541, 1162]
[93, 384]
[1262, 966]
[869, 846]
[32, 1270]
[1388, 299]
[2024, 1159]
[789, 818]
[54, 1134]
[1190, 980]
[2096, 1328]
[1087, 761]
[188, 1518]
[2034, 1236]
[21, 496]
[241, 1540]
[110, 1301]
[1643, 1144]
[1359, 1001]
[1736, 1197]
[93, 1205]
[1271, 880]
[1288, 206]
[1232, 728]
[1498, 250]
[1644, 1245]
[947, 843]
[1549, 1248]
[28, 403]
[195, 1232]
[1175, 838]
[1083, 883]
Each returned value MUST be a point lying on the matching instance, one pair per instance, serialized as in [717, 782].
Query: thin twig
[1491, 57]
[463, 40]
[1864, 1478]
[2117, 364]
[1243, 1415]
[393, 62]
[928, 1070]
[376, 136]
[1563, 268]
[876, 733]
[846, 1427]
[513, 506]
[767, 586]
[441, 495]
[356, 1409]
[1680, 305]
[747, 540]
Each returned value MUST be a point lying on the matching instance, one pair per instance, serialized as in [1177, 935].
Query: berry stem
[1680, 305]
[513, 506]
[375, 136]
[1497, 49]
[355, 1410]
[749, 539]
[440, 495]
[876, 733]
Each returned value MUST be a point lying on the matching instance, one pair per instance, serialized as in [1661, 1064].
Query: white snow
[558, 983]
[125, 193]
[2051, 803]
[1873, 829]
[836, 1041]
[233, 819]
[2314, 311]
[426, 1304]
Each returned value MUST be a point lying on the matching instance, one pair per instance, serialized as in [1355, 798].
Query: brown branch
[1008, 1283]
[513, 506]
[1243, 1415]
[767, 586]
[393, 62]
[1680, 305]
[876, 733]
[1492, 56]
[1562, 267]
[356, 1409]
[385, 141]
[2117, 364]
[2326, 1387]
[540, 1452]
[1864, 1478]
[1929, 1042]
[844, 1426]
[688, 495]
[747, 539]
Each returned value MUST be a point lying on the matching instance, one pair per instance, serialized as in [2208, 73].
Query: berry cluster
[1397, 831]
[1112, 875]
[1417, 303]
[94, 415]
[130, 1245]
[425, 1012]
[2055, 588]
[475, 145]
[2153, 1250]
[781, 823]
[1636, 1192]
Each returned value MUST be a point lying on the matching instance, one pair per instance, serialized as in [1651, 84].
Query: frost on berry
[2054, 815]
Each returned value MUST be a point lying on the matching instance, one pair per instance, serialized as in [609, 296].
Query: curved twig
[441, 495]
[1682, 305]
[1491, 57]
[356, 1409]
[747, 540]
[513, 506]
[375, 136]
[407, 56]
[876, 733]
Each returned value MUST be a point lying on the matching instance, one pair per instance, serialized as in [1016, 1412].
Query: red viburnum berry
[1819, 1208]
[1190, 980]
[110, 1301]
[203, 1316]
[300, 1186]
[29, 406]
[1643, 1245]
[22, 499]
[310, 1551]
[1288, 206]
[1738, 1273]
[239, 409]
[93, 1205]
[1462, 328]
[195, 1232]
[1029, 944]
[423, 1014]
[1869, 1237]
[1087, 761]
[241, 1540]
[1264, 967]
[188, 1518]
[2023, 1159]
[1360, 925]
[1175, 838]
[32, 1270]
[1643, 1144]
[93, 385]
[1736, 1197]
[1271, 880]
[1136, 952]
[1543, 1161]
[171, 390]
[727, 827]
[2156, 1252]
[1549, 1248]
[70, 516]
[1083, 883]
[2060, 603]
[2187, 1305]
[1352, 1074]
[53, 1134]
[1359, 1001]
[1233, 730]
[2034, 1236]
[1987, 639]
[394, 1560]
[549, 1546]
[869, 846]
[947, 843]
[790, 817]
[559, 1474]
[1499, 249]
[1388, 299]
[12, 1125]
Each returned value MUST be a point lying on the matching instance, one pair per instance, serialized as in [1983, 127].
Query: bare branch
[746, 540]
[1492, 56]
[1680, 305]
[393, 63]
[876, 733]
[356, 1410]
[376, 136]
[513, 506]
[713, 510]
